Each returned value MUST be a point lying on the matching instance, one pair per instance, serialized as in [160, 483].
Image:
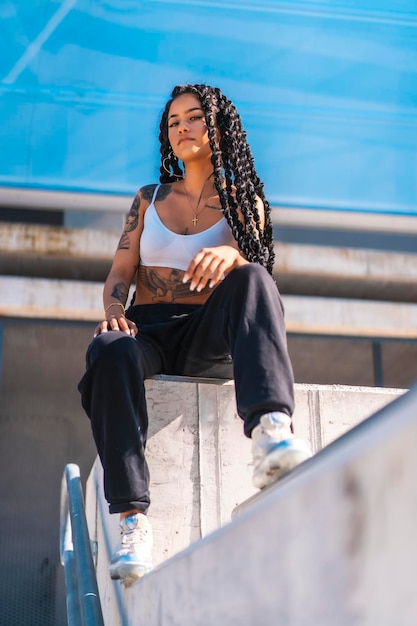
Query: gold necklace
[195, 211]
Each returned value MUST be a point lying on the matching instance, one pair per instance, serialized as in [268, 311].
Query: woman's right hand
[116, 322]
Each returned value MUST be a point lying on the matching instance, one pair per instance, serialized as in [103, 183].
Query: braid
[235, 176]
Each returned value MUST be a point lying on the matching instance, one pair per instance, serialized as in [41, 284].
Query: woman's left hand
[210, 266]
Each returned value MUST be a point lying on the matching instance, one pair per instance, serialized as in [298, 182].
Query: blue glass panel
[327, 92]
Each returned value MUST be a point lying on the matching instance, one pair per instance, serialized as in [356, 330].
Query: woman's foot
[275, 450]
[133, 557]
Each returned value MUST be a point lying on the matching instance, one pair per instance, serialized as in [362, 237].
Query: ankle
[276, 417]
[129, 513]
[273, 421]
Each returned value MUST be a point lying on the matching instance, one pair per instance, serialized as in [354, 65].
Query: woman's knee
[113, 344]
[253, 282]
[252, 274]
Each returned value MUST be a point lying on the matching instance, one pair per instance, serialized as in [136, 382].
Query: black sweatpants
[238, 333]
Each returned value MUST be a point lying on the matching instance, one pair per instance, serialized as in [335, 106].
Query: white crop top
[161, 247]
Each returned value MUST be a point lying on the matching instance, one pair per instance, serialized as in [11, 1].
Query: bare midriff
[164, 284]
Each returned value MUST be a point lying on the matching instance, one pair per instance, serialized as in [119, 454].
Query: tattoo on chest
[170, 289]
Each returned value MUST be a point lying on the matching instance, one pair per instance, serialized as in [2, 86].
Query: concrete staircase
[318, 547]
[51, 282]
[58, 273]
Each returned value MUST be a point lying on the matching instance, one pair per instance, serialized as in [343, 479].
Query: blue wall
[327, 91]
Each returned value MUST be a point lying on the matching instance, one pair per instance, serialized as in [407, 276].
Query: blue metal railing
[83, 600]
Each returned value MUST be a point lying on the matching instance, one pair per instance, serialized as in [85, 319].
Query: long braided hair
[235, 177]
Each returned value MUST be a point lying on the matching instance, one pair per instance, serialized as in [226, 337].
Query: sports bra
[161, 247]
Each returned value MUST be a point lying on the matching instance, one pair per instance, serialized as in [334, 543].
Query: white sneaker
[275, 450]
[133, 558]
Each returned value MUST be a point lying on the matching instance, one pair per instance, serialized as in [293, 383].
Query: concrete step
[82, 300]
[86, 254]
[50, 298]
[34, 250]
[200, 462]
[346, 272]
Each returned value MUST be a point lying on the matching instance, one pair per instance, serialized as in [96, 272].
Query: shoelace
[136, 535]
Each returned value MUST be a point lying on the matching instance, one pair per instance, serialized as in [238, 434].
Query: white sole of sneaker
[127, 573]
[283, 458]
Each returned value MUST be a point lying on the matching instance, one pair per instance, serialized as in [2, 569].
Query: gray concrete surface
[86, 254]
[332, 543]
[200, 463]
[82, 300]
[42, 427]
[15, 197]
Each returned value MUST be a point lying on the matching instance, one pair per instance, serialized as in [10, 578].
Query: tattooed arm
[124, 267]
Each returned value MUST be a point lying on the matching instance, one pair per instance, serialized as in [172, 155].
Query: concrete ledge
[200, 462]
[349, 317]
[341, 272]
[50, 299]
[333, 543]
[342, 218]
[20, 197]
[56, 241]
[56, 252]
[86, 254]
[82, 300]
[342, 263]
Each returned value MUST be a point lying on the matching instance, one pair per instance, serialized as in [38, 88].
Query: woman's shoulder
[147, 192]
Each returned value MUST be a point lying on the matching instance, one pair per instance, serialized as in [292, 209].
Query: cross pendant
[195, 220]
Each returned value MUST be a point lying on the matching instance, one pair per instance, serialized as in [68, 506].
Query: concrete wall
[42, 427]
[200, 464]
[335, 544]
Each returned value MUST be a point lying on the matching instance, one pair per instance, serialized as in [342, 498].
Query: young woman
[200, 246]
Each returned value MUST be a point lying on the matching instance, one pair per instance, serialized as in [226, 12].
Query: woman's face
[187, 129]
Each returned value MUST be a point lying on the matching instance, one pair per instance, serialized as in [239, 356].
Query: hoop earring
[171, 173]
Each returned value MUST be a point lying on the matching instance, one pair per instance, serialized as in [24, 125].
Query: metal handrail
[83, 600]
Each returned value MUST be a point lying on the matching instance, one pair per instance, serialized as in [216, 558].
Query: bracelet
[115, 304]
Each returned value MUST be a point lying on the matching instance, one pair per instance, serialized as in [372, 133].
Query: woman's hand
[210, 266]
[116, 322]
